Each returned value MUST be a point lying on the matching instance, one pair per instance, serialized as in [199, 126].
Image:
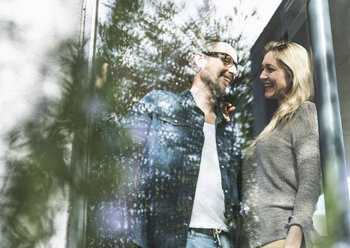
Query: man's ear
[199, 60]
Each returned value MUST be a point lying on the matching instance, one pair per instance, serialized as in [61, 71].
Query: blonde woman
[287, 151]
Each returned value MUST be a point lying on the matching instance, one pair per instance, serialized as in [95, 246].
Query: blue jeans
[200, 240]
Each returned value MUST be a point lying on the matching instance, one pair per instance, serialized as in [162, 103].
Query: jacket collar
[189, 103]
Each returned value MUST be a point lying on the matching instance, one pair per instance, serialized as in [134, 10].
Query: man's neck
[205, 100]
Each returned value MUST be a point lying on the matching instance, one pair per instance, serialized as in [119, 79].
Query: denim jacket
[167, 138]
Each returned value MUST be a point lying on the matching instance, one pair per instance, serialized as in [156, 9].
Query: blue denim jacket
[167, 137]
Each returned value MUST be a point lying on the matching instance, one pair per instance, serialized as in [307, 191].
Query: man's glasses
[225, 58]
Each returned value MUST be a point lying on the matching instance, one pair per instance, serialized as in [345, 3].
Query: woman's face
[275, 78]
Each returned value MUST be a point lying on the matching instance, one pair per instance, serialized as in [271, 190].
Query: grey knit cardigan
[285, 183]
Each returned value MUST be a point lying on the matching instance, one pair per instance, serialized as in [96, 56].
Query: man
[183, 149]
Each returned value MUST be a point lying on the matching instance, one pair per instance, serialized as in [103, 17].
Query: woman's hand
[294, 237]
[227, 110]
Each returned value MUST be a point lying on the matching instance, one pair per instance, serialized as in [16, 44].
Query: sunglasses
[224, 57]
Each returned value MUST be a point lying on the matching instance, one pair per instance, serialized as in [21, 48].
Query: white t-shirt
[209, 207]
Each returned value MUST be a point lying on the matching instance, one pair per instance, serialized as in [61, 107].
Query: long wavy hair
[295, 60]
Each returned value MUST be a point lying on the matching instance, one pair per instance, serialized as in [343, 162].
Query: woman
[288, 173]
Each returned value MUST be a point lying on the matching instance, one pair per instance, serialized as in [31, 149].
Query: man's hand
[227, 110]
[101, 78]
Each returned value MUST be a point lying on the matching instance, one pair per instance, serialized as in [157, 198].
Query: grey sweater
[288, 176]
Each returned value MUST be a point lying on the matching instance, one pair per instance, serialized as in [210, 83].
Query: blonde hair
[295, 60]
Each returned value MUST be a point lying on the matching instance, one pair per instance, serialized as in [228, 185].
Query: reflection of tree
[143, 50]
[146, 50]
[38, 163]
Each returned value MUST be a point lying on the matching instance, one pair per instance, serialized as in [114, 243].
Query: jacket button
[185, 224]
[223, 166]
[219, 145]
[190, 198]
[226, 191]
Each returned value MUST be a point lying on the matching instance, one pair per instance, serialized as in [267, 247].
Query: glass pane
[144, 46]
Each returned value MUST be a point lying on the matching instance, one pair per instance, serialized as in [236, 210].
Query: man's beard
[217, 89]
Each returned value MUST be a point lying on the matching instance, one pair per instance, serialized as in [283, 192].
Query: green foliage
[38, 162]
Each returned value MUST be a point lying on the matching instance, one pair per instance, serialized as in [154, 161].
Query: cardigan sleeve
[305, 140]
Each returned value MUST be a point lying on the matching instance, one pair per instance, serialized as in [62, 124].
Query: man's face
[220, 69]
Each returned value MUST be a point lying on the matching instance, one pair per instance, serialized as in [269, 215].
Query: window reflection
[147, 46]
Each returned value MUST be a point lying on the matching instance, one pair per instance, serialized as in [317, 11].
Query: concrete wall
[339, 12]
